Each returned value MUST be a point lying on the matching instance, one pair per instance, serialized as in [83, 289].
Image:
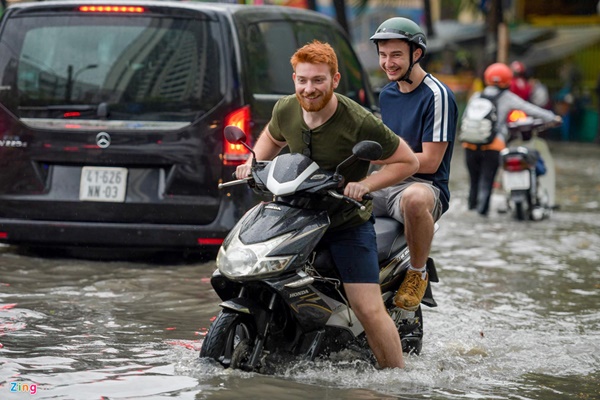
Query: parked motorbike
[282, 295]
[527, 169]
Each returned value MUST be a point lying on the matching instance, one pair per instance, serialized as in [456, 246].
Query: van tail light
[210, 241]
[236, 154]
[3, 235]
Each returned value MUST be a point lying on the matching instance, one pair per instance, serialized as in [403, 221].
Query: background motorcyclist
[325, 126]
[520, 84]
[422, 110]
[483, 161]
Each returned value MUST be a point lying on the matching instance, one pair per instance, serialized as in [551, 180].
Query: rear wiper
[60, 107]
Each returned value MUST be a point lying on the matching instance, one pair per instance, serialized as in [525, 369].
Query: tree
[340, 12]
[496, 38]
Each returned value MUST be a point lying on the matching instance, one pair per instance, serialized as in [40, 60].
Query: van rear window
[147, 68]
[271, 44]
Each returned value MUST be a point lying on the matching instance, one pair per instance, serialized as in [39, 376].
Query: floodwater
[518, 317]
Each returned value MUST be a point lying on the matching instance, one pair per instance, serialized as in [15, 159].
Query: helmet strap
[406, 76]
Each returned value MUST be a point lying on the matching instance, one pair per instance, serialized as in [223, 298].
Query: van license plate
[103, 184]
[516, 180]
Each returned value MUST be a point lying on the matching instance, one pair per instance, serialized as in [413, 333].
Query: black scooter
[282, 296]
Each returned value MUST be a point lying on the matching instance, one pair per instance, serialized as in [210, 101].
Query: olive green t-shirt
[332, 143]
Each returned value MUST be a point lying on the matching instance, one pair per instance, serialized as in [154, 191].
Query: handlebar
[332, 193]
[250, 180]
[234, 183]
[533, 123]
[358, 204]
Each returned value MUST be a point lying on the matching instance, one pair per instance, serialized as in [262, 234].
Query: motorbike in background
[282, 295]
[528, 176]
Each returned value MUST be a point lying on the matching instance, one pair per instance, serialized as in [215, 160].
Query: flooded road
[518, 317]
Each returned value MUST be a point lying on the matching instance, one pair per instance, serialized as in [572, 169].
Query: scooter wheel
[228, 332]
[411, 334]
[520, 212]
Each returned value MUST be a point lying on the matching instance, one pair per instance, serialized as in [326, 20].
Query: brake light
[210, 241]
[236, 154]
[3, 235]
[516, 115]
[111, 9]
[514, 164]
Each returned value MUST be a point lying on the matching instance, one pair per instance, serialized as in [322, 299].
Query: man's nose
[309, 87]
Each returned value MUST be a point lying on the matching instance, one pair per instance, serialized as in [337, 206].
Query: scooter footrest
[431, 271]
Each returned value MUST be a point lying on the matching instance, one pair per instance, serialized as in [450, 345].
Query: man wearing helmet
[483, 161]
[520, 83]
[422, 110]
[324, 126]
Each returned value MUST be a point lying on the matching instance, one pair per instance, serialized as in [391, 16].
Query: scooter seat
[390, 237]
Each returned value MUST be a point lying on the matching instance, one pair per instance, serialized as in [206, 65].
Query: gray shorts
[386, 202]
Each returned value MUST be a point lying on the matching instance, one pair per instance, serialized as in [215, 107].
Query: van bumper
[119, 235]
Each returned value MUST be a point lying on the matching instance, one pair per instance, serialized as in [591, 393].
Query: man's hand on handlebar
[557, 121]
[356, 190]
[243, 171]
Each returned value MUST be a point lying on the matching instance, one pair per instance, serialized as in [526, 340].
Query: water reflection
[518, 317]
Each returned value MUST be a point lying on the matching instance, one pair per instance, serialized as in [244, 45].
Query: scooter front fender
[243, 305]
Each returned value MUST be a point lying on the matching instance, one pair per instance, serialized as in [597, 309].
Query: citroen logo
[103, 140]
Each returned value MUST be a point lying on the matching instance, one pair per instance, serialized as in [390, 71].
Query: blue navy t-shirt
[427, 114]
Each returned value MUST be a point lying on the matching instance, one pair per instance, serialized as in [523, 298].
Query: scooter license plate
[518, 180]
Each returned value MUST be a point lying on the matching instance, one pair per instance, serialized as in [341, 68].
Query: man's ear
[336, 79]
[417, 54]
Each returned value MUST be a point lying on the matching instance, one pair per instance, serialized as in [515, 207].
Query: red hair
[316, 53]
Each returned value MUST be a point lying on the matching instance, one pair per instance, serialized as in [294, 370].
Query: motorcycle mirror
[367, 150]
[235, 135]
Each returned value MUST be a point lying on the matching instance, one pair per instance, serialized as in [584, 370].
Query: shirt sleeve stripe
[440, 95]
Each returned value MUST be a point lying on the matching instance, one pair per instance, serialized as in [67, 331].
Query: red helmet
[518, 68]
[498, 74]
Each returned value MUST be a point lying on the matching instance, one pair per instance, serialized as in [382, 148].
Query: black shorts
[354, 252]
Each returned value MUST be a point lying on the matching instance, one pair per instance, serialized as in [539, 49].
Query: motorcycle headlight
[237, 260]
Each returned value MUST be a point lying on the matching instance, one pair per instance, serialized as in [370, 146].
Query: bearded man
[325, 126]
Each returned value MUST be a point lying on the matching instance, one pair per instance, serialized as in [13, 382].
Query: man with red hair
[325, 126]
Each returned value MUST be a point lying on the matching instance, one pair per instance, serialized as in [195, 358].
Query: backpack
[478, 124]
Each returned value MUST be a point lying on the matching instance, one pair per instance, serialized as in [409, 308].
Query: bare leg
[417, 204]
[383, 338]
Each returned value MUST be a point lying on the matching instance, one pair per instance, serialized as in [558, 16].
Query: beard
[318, 106]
